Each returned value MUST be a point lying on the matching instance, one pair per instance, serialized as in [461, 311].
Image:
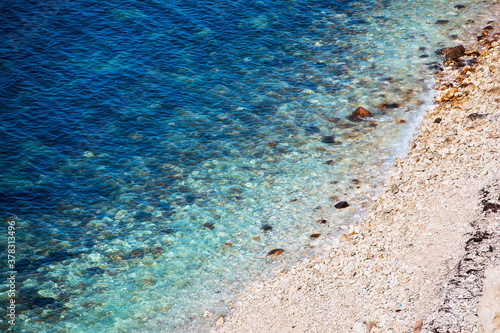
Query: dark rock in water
[453, 53]
[389, 105]
[322, 221]
[136, 253]
[488, 27]
[40, 302]
[422, 48]
[330, 162]
[435, 66]
[442, 22]
[454, 37]
[275, 252]
[342, 204]
[209, 225]
[437, 120]
[167, 231]
[424, 56]
[267, 227]
[474, 53]
[312, 129]
[94, 271]
[355, 181]
[313, 236]
[328, 139]
[333, 119]
[359, 114]
[272, 143]
[459, 6]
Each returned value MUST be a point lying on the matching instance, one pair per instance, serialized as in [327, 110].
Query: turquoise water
[148, 147]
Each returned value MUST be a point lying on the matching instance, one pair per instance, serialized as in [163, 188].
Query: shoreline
[393, 270]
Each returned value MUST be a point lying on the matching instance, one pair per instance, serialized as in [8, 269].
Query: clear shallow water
[146, 143]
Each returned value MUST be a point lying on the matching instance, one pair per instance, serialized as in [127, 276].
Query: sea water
[153, 152]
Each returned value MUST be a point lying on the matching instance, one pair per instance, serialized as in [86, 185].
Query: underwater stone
[39, 302]
[313, 236]
[275, 252]
[209, 225]
[389, 105]
[442, 22]
[267, 227]
[272, 144]
[322, 221]
[94, 270]
[312, 129]
[437, 120]
[341, 204]
[333, 119]
[328, 139]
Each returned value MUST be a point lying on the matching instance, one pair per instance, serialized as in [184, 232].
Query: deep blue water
[144, 144]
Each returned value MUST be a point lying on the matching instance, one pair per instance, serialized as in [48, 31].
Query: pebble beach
[417, 262]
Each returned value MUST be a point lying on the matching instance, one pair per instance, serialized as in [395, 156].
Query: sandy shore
[417, 262]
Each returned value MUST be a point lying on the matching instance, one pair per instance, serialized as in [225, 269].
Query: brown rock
[275, 252]
[453, 53]
[314, 236]
[322, 221]
[449, 94]
[342, 204]
[437, 120]
[442, 22]
[359, 114]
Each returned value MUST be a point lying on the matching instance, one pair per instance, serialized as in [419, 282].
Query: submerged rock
[329, 139]
[389, 105]
[359, 114]
[272, 143]
[275, 252]
[442, 22]
[313, 236]
[322, 221]
[209, 225]
[333, 119]
[267, 227]
[312, 129]
[341, 204]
